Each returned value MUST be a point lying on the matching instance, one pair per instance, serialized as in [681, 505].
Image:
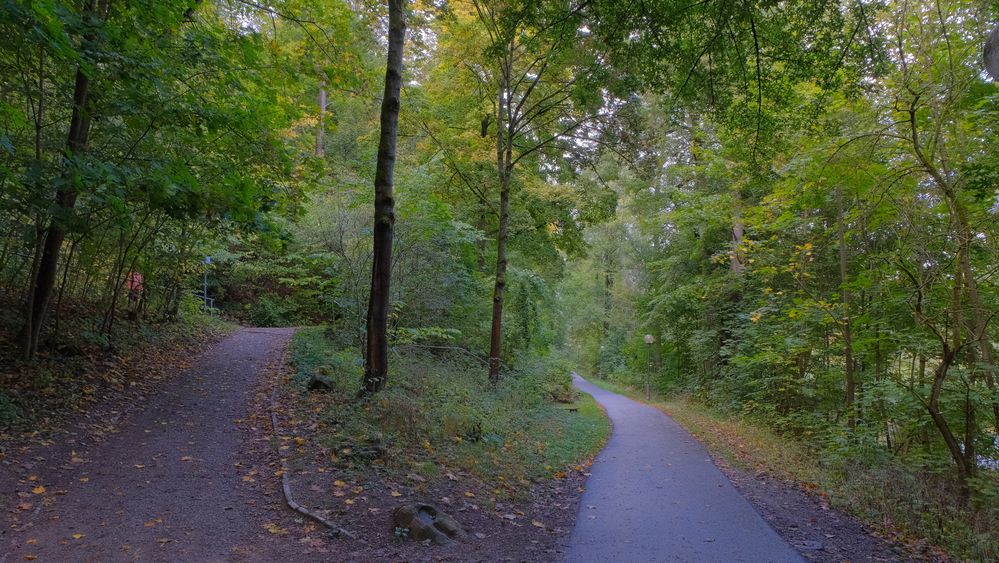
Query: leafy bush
[270, 311]
[9, 412]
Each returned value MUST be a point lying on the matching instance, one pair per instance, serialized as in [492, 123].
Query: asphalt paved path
[174, 483]
[655, 495]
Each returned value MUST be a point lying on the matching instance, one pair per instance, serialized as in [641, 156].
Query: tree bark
[65, 200]
[504, 159]
[376, 358]
[321, 128]
[847, 321]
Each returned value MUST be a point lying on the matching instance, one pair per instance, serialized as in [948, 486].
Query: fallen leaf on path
[275, 529]
[537, 524]
[187, 458]
[84, 479]
[396, 494]
[77, 536]
[139, 466]
[30, 557]
[39, 490]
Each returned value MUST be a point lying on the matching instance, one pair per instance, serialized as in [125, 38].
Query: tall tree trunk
[847, 321]
[965, 237]
[65, 200]
[738, 231]
[321, 128]
[504, 156]
[376, 358]
[980, 322]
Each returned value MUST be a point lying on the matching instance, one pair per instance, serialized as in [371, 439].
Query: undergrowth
[439, 413]
[902, 501]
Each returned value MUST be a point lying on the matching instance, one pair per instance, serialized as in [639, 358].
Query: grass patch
[439, 412]
[902, 501]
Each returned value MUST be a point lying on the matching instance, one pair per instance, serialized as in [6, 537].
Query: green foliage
[440, 409]
[10, 413]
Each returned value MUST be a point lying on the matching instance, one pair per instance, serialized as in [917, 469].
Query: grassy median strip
[439, 411]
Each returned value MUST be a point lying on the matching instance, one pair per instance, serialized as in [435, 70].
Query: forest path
[655, 495]
[186, 477]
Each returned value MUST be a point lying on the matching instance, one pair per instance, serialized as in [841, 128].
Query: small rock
[809, 545]
[426, 524]
[319, 383]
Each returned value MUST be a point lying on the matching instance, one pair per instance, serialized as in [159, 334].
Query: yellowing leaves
[275, 529]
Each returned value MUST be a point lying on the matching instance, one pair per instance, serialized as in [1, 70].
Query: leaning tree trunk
[65, 200]
[376, 358]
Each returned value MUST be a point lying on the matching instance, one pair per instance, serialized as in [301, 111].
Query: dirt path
[183, 478]
[655, 495]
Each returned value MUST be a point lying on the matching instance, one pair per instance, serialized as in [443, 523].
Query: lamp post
[649, 339]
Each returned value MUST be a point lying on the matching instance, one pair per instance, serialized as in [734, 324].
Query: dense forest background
[797, 202]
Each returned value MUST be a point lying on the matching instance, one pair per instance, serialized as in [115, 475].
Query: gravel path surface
[655, 495]
[173, 483]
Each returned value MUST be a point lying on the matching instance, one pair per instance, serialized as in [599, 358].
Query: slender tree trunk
[65, 200]
[496, 336]
[504, 152]
[376, 358]
[738, 231]
[847, 321]
[62, 288]
[321, 128]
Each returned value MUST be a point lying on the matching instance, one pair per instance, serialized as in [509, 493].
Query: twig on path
[286, 480]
